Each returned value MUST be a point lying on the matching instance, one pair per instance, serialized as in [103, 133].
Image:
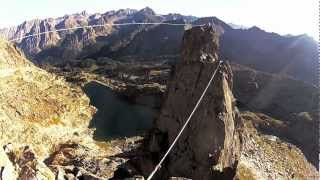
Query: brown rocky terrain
[44, 126]
[244, 145]
[269, 157]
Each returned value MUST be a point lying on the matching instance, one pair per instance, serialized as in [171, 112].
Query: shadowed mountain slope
[294, 56]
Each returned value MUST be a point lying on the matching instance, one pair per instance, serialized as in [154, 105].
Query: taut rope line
[99, 25]
[185, 124]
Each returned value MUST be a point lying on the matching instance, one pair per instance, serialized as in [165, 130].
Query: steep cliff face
[210, 145]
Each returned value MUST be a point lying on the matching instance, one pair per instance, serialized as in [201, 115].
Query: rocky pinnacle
[210, 146]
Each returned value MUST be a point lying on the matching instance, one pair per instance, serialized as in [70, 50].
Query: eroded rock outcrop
[36, 104]
[210, 146]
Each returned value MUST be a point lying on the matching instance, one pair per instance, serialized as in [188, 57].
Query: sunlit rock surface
[43, 123]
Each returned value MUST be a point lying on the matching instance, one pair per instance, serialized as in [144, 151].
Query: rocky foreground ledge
[43, 122]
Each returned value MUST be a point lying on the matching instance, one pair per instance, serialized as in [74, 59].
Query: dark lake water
[116, 116]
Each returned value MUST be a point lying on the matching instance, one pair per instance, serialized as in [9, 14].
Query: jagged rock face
[210, 145]
[102, 41]
[76, 39]
[198, 45]
[22, 163]
[77, 162]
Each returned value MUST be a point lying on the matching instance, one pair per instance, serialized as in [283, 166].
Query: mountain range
[293, 56]
[106, 102]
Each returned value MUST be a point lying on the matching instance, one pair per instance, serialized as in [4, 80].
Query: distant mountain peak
[127, 11]
[256, 28]
[148, 10]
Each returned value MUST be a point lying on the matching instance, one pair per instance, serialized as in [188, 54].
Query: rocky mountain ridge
[77, 39]
[294, 56]
[57, 106]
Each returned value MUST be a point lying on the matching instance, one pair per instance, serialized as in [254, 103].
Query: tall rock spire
[210, 144]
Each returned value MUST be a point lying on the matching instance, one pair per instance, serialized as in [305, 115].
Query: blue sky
[280, 16]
